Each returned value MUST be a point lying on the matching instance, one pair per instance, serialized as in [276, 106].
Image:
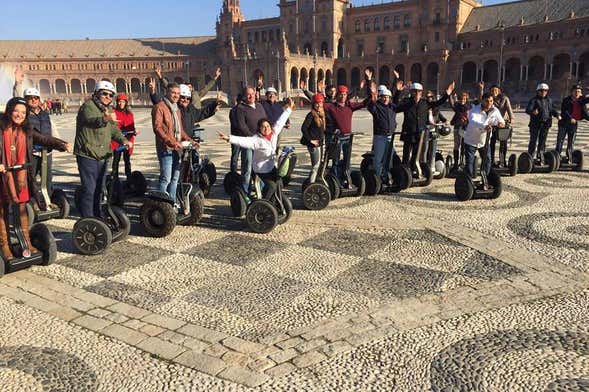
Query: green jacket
[93, 134]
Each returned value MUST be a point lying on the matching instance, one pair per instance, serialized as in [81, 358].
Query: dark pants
[538, 136]
[269, 180]
[410, 150]
[502, 149]
[470, 152]
[37, 169]
[341, 166]
[92, 177]
[570, 131]
[126, 157]
[246, 164]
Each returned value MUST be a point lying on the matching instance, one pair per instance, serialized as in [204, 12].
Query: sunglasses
[32, 98]
[106, 94]
[185, 98]
[430, 97]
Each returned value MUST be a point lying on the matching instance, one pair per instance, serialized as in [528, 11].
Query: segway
[41, 238]
[505, 167]
[571, 161]
[203, 170]
[435, 156]
[160, 214]
[349, 183]
[453, 169]
[423, 175]
[394, 180]
[545, 162]
[45, 207]
[262, 215]
[134, 186]
[485, 187]
[316, 196]
[93, 235]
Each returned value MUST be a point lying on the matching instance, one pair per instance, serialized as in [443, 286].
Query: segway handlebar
[121, 148]
[17, 167]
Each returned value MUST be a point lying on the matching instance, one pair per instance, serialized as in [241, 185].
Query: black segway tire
[283, 218]
[358, 181]
[238, 203]
[261, 216]
[91, 236]
[197, 208]
[291, 166]
[373, 183]
[158, 218]
[578, 160]
[42, 239]
[231, 181]
[551, 161]
[59, 198]
[525, 163]
[137, 183]
[334, 187]
[495, 182]
[449, 161]
[120, 230]
[211, 171]
[557, 158]
[305, 184]
[316, 196]
[512, 165]
[440, 169]
[463, 187]
[402, 178]
[204, 182]
[367, 165]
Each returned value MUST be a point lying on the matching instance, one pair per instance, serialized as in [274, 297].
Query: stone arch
[121, 85]
[561, 66]
[105, 80]
[416, 75]
[342, 77]
[469, 72]
[512, 69]
[320, 75]
[355, 82]
[44, 87]
[305, 76]
[294, 78]
[384, 75]
[432, 73]
[536, 68]
[136, 86]
[490, 71]
[324, 49]
[76, 86]
[60, 87]
[400, 68]
[90, 84]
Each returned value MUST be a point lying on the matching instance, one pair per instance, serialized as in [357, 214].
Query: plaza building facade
[515, 44]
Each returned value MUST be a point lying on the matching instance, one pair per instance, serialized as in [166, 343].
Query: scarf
[319, 118]
[14, 142]
[174, 109]
[102, 107]
[268, 136]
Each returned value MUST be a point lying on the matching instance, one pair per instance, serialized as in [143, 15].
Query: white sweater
[264, 149]
[475, 134]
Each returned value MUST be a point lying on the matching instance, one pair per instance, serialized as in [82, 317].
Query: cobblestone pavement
[409, 292]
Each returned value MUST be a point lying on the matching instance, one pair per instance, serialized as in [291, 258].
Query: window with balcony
[387, 23]
[376, 24]
[357, 26]
[397, 21]
[407, 21]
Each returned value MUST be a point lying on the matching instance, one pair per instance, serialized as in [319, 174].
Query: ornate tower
[228, 26]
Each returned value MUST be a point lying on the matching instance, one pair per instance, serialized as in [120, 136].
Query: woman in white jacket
[264, 146]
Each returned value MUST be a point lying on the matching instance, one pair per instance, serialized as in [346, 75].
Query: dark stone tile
[347, 241]
[483, 266]
[120, 257]
[427, 236]
[236, 249]
[129, 294]
[248, 293]
[384, 280]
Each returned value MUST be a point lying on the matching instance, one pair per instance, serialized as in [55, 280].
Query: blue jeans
[92, 178]
[315, 154]
[169, 172]
[380, 144]
[343, 166]
[470, 152]
[247, 156]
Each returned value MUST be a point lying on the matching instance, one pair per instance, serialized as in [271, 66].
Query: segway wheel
[578, 160]
[291, 166]
[402, 178]
[204, 183]
[238, 203]
[137, 184]
[427, 173]
[30, 213]
[42, 239]
[211, 171]
[440, 170]
[358, 181]
[366, 166]
[449, 161]
[463, 187]
[2, 267]
[334, 188]
[91, 236]
[283, 218]
[59, 198]
[373, 183]
[525, 163]
[231, 181]
[78, 197]
[158, 218]
[261, 216]
[512, 164]
[557, 158]
[551, 161]
[120, 229]
[305, 185]
[196, 210]
[495, 182]
[316, 196]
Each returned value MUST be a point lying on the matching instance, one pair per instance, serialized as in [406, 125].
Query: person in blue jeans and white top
[263, 145]
[481, 120]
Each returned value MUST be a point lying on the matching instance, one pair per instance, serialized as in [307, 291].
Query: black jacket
[545, 111]
[566, 110]
[384, 118]
[416, 116]
[191, 116]
[311, 131]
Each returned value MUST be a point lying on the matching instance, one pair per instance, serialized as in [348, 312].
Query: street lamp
[377, 71]
[315, 72]
[500, 66]
[278, 73]
[187, 64]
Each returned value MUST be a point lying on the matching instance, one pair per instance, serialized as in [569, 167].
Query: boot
[24, 222]
[4, 248]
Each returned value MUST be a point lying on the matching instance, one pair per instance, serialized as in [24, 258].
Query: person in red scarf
[16, 148]
[126, 123]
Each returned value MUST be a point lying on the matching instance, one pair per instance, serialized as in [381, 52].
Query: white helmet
[542, 86]
[416, 86]
[386, 92]
[185, 91]
[105, 85]
[271, 90]
[381, 88]
[32, 92]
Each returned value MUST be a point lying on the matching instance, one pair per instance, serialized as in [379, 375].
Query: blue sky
[123, 18]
